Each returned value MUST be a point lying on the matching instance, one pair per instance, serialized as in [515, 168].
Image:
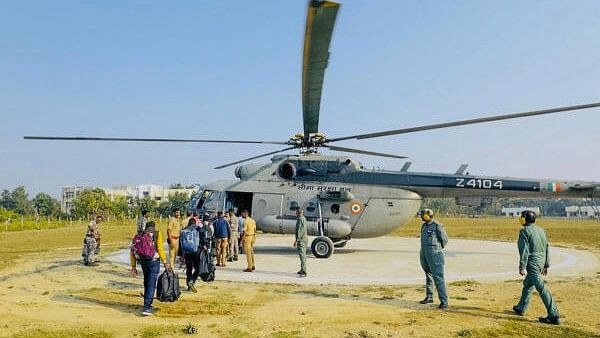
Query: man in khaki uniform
[248, 240]
[173, 231]
[235, 235]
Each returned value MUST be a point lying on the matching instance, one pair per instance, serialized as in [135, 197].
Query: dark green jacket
[301, 230]
[533, 249]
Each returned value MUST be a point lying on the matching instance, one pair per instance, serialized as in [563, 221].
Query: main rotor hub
[312, 142]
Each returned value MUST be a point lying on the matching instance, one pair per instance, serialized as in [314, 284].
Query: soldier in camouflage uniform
[433, 240]
[91, 242]
[141, 221]
[235, 236]
[533, 264]
[301, 241]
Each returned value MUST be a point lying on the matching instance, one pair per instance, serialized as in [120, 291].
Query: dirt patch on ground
[58, 297]
[46, 292]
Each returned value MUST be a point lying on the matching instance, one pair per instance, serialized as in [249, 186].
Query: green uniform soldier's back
[533, 249]
[534, 258]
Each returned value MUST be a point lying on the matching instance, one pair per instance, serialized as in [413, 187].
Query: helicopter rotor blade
[253, 158]
[466, 122]
[126, 139]
[320, 20]
[364, 152]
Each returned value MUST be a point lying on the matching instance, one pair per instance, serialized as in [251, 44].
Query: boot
[517, 311]
[549, 320]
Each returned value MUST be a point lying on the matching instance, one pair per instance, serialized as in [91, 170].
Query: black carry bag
[167, 289]
[207, 268]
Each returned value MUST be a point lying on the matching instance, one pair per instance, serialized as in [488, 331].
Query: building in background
[68, 195]
[516, 212]
[155, 192]
[582, 211]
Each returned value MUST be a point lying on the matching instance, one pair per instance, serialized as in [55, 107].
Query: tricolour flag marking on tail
[553, 186]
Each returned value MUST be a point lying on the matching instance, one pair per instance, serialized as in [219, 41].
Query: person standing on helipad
[91, 242]
[534, 262]
[248, 240]
[173, 232]
[232, 253]
[433, 240]
[222, 234]
[301, 240]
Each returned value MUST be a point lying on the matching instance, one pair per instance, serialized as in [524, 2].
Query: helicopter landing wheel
[322, 247]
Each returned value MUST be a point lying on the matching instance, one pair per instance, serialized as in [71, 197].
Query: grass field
[44, 223]
[45, 292]
[581, 234]
[16, 244]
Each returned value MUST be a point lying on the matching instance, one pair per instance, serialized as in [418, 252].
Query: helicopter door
[239, 201]
[266, 204]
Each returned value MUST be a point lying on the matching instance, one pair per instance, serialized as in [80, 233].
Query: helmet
[426, 215]
[527, 217]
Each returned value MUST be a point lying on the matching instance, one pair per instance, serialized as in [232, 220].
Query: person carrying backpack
[147, 249]
[192, 242]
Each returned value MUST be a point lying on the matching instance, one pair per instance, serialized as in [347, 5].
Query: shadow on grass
[123, 306]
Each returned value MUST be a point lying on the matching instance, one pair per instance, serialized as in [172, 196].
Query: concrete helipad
[389, 260]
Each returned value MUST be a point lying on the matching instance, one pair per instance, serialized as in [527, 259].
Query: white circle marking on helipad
[389, 260]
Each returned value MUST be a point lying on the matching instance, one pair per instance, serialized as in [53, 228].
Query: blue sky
[225, 69]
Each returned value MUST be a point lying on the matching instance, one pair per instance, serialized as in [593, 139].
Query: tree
[5, 215]
[91, 202]
[120, 207]
[164, 208]
[179, 200]
[22, 204]
[6, 200]
[181, 186]
[147, 203]
[46, 205]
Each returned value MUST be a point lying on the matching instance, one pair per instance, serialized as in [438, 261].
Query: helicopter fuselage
[342, 200]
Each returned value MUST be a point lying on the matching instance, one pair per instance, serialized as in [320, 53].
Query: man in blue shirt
[222, 235]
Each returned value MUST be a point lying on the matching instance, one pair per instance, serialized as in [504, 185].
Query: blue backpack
[189, 239]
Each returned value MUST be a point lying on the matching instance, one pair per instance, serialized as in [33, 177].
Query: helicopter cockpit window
[207, 195]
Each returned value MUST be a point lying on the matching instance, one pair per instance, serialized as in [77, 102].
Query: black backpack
[207, 268]
[167, 289]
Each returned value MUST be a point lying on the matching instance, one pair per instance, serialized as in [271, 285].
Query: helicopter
[341, 199]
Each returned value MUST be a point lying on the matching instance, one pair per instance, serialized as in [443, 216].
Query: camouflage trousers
[233, 246]
[90, 250]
